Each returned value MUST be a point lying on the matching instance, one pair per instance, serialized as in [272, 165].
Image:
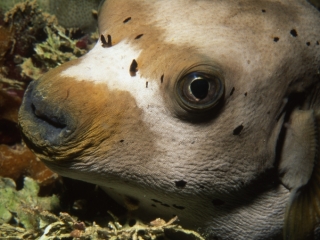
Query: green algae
[57, 49]
[25, 215]
[24, 207]
[51, 49]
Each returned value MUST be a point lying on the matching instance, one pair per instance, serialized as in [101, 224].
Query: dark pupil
[199, 88]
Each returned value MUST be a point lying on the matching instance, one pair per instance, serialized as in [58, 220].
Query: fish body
[202, 109]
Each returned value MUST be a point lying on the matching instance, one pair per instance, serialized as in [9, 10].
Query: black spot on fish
[217, 202]
[245, 94]
[180, 184]
[317, 43]
[161, 79]
[121, 140]
[276, 39]
[139, 36]
[109, 40]
[263, 10]
[308, 44]
[178, 207]
[133, 68]
[104, 42]
[163, 204]
[238, 130]
[146, 84]
[232, 91]
[127, 20]
[294, 33]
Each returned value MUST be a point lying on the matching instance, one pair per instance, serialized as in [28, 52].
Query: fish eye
[199, 91]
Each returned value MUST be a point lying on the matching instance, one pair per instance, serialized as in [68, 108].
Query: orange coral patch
[19, 161]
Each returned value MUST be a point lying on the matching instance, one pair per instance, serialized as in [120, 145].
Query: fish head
[180, 108]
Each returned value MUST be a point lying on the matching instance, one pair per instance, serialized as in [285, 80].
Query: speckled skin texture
[91, 119]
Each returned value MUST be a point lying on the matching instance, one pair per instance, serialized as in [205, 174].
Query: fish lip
[46, 116]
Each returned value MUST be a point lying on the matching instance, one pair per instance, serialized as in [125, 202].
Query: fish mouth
[53, 121]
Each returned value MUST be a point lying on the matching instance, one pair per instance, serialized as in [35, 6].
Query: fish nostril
[51, 120]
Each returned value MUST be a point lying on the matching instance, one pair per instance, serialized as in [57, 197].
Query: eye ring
[199, 91]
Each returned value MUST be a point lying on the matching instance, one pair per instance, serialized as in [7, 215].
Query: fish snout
[44, 123]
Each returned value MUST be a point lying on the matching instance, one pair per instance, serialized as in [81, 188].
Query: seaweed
[33, 219]
[24, 208]
[57, 49]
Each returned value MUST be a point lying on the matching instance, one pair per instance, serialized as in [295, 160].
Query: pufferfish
[207, 110]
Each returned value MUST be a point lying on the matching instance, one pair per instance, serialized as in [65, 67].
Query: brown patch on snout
[96, 118]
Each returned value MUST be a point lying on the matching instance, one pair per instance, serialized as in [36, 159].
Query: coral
[9, 105]
[6, 39]
[32, 42]
[24, 207]
[16, 160]
[57, 49]
[25, 215]
[31, 39]
[46, 225]
[70, 14]
[24, 26]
